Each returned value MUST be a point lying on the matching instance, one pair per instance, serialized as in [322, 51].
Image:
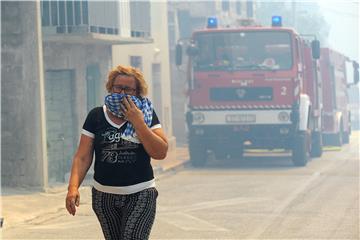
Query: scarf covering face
[112, 103]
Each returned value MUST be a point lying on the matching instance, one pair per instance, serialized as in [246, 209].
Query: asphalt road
[256, 198]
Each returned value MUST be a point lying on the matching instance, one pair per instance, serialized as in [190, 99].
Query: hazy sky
[343, 18]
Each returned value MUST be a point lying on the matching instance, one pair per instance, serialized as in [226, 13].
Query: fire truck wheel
[198, 155]
[316, 148]
[300, 152]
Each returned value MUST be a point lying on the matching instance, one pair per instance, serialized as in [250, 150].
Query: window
[184, 19]
[243, 50]
[70, 13]
[62, 13]
[171, 17]
[136, 62]
[249, 9]
[54, 13]
[77, 13]
[93, 29]
[45, 13]
[102, 30]
[238, 7]
[140, 18]
[297, 49]
[225, 4]
[85, 11]
[172, 40]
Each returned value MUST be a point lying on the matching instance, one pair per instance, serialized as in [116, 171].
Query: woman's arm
[82, 161]
[80, 165]
[154, 141]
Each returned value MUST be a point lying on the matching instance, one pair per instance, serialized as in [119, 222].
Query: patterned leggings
[125, 217]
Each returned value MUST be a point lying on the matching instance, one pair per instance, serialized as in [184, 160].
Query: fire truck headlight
[283, 117]
[198, 117]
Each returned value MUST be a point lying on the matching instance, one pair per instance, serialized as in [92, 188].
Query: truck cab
[252, 87]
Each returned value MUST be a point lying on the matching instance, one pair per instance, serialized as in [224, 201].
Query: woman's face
[124, 84]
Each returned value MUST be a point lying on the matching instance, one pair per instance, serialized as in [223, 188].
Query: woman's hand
[132, 112]
[154, 141]
[72, 200]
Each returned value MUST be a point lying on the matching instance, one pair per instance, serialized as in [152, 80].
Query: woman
[123, 134]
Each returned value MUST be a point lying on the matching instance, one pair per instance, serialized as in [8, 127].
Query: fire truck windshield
[243, 50]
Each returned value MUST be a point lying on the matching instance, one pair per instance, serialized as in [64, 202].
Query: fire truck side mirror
[356, 72]
[192, 50]
[315, 49]
[178, 54]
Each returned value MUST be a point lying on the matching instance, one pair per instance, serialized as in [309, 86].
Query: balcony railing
[92, 34]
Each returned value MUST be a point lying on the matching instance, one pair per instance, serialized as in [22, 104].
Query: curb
[158, 170]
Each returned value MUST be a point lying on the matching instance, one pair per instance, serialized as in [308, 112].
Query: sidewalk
[21, 205]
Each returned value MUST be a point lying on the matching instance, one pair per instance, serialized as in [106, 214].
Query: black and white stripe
[125, 217]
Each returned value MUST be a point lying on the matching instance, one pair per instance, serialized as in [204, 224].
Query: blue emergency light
[276, 21]
[212, 22]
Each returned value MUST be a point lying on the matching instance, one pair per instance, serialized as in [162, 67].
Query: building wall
[161, 55]
[26, 116]
[78, 56]
[178, 79]
[105, 17]
[75, 58]
[236, 10]
[22, 162]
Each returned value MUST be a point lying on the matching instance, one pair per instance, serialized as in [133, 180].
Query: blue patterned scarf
[112, 103]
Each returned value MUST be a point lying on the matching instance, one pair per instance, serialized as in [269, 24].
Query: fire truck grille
[241, 94]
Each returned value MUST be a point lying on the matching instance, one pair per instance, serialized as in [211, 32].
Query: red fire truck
[337, 73]
[252, 87]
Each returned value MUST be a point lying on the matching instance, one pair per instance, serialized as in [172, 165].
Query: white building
[54, 69]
